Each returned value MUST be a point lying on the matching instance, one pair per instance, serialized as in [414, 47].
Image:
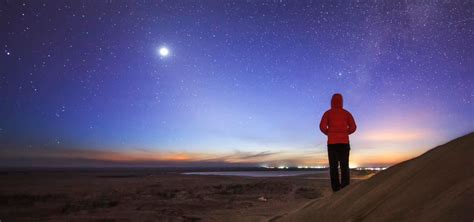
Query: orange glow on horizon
[360, 156]
[286, 158]
[178, 157]
[394, 136]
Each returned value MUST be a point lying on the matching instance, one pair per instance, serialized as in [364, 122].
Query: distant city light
[371, 168]
[319, 167]
[311, 167]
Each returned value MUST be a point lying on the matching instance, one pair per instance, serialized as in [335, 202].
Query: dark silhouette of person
[338, 123]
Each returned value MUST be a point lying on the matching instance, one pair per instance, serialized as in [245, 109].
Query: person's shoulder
[327, 112]
[347, 112]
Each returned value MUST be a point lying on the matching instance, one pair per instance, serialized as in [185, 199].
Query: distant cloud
[253, 155]
[66, 156]
[241, 156]
[60, 157]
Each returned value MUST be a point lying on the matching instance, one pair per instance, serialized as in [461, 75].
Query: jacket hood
[336, 101]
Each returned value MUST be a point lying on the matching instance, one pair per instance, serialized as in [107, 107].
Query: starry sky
[83, 83]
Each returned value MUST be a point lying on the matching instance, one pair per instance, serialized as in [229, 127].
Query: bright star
[164, 51]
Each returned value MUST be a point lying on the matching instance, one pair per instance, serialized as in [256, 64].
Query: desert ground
[153, 195]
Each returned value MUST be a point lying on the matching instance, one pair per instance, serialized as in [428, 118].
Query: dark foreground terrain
[151, 195]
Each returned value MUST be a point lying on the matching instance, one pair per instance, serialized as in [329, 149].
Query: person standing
[338, 123]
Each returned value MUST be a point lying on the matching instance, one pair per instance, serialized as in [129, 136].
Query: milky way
[244, 82]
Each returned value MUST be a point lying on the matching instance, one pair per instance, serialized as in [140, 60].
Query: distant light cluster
[321, 167]
[372, 168]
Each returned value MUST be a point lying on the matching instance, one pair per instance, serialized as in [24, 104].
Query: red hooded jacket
[337, 123]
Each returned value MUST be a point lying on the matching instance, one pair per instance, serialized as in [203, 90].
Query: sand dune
[436, 186]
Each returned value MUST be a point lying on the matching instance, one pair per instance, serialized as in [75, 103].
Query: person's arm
[351, 124]
[323, 125]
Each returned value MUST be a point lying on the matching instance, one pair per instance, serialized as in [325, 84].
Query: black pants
[339, 155]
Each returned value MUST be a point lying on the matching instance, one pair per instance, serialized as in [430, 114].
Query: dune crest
[435, 186]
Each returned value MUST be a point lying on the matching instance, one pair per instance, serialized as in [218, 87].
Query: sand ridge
[436, 186]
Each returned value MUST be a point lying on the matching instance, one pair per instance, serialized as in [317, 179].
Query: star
[164, 51]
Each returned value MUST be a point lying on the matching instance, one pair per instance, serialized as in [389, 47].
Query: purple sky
[244, 83]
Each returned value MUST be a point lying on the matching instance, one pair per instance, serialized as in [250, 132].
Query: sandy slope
[436, 186]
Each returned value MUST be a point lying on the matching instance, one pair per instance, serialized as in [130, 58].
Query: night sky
[83, 83]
